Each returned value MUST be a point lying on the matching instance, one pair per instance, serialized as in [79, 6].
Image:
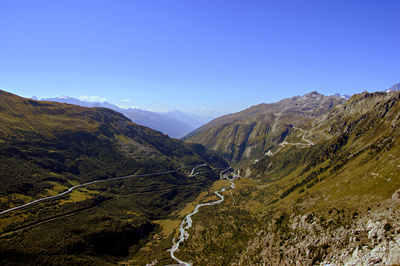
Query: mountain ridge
[46, 148]
[319, 182]
[242, 135]
[176, 126]
[324, 192]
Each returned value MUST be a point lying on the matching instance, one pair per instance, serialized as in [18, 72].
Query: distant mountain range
[344, 96]
[175, 124]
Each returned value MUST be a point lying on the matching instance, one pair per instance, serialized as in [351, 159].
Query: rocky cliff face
[368, 236]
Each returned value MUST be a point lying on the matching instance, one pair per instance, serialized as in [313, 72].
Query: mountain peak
[315, 93]
[395, 87]
[344, 96]
[312, 94]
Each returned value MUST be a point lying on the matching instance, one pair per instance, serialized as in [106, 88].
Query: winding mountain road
[187, 221]
[98, 181]
[304, 136]
[309, 143]
[192, 173]
[284, 143]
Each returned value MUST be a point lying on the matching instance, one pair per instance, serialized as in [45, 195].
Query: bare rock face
[340, 237]
[382, 245]
[396, 196]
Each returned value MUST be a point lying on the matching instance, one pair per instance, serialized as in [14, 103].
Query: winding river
[187, 223]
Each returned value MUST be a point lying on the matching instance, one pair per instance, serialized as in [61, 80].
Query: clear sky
[192, 55]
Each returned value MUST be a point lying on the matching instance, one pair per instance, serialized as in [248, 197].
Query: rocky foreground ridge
[365, 237]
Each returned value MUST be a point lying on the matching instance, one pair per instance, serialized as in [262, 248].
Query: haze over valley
[173, 123]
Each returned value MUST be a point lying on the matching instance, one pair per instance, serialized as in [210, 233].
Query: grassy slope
[312, 204]
[361, 154]
[46, 148]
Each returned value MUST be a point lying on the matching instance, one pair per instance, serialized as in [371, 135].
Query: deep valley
[317, 182]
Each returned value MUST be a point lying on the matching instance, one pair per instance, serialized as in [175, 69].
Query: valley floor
[248, 233]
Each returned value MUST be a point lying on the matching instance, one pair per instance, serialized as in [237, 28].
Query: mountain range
[344, 96]
[322, 186]
[248, 134]
[175, 124]
[317, 183]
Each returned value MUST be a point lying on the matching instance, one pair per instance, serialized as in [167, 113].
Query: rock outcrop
[338, 237]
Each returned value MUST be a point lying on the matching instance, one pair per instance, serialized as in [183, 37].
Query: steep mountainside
[326, 193]
[47, 148]
[320, 185]
[175, 126]
[246, 135]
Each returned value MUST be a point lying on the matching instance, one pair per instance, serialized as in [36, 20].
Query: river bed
[187, 223]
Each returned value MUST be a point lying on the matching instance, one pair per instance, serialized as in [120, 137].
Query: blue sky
[197, 55]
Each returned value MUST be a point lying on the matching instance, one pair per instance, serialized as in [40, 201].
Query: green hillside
[324, 192]
[47, 148]
[319, 185]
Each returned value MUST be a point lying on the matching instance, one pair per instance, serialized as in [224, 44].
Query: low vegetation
[333, 201]
[316, 204]
[47, 148]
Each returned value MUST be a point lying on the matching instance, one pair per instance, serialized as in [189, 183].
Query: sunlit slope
[321, 203]
[328, 192]
[47, 148]
[358, 157]
[87, 143]
[244, 136]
